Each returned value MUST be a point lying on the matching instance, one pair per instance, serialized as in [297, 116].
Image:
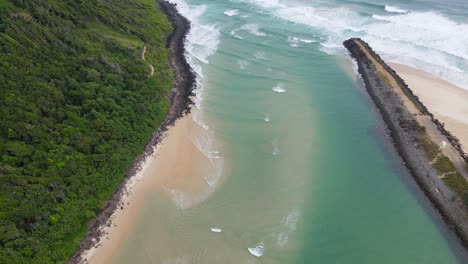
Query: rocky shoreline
[181, 102]
[407, 133]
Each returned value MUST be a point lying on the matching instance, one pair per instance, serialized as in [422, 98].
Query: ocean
[303, 168]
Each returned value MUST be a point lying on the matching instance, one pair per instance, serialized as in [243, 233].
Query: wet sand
[177, 168]
[448, 103]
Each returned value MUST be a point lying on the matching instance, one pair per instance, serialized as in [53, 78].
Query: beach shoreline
[181, 102]
[414, 130]
[448, 102]
[177, 169]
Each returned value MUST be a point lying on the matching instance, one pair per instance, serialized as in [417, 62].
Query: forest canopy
[77, 106]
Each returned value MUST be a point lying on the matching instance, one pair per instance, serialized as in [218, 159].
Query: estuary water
[307, 174]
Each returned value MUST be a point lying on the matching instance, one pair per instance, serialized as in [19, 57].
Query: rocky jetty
[408, 135]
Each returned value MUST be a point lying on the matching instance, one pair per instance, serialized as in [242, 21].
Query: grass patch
[384, 76]
[430, 148]
[458, 184]
[444, 165]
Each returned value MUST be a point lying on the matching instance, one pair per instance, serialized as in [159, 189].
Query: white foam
[279, 88]
[427, 40]
[267, 118]
[177, 260]
[307, 40]
[253, 29]
[242, 64]
[395, 9]
[293, 42]
[234, 33]
[258, 250]
[354, 65]
[275, 145]
[259, 55]
[202, 41]
[231, 12]
[179, 198]
[216, 230]
[288, 225]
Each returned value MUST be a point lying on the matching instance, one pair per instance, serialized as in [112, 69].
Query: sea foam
[279, 88]
[242, 64]
[429, 41]
[288, 225]
[177, 260]
[253, 29]
[296, 42]
[275, 145]
[231, 12]
[257, 250]
[395, 9]
[216, 230]
[202, 41]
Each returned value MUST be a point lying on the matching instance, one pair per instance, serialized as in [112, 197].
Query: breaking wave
[201, 42]
[427, 40]
[231, 12]
[395, 9]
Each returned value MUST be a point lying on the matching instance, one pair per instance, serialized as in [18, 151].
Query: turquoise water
[309, 175]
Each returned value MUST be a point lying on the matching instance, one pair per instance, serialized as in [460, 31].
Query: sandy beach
[448, 102]
[177, 168]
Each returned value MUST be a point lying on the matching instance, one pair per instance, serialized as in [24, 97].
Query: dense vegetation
[77, 106]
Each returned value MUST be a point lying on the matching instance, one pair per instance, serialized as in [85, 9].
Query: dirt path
[143, 52]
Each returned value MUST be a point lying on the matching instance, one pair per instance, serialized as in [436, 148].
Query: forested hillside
[77, 106]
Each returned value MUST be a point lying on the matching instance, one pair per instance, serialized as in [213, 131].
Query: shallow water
[307, 174]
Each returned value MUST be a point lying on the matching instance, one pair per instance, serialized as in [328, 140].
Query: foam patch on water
[179, 198]
[267, 118]
[234, 34]
[216, 230]
[177, 260]
[258, 250]
[354, 65]
[275, 145]
[288, 225]
[253, 29]
[242, 64]
[202, 41]
[428, 40]
[395, 9]
[279, 88]
[231, 12]
[295, 41]
[259, 55]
